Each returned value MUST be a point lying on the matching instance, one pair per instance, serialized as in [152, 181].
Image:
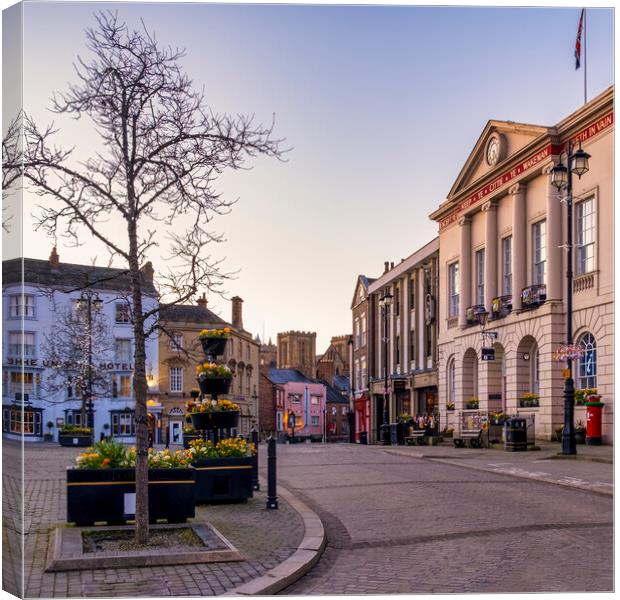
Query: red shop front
[361, 406]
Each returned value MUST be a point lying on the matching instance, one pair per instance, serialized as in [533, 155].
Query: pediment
[360, 292]
[497, 143]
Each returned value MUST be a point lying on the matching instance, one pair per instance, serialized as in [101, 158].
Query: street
[399, 524]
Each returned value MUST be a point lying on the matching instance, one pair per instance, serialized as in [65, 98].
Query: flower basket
[214, 385]
[105, 494]
[215, 419]
[213, 346]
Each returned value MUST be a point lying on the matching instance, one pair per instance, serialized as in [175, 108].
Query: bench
[470, 437]
[416, 437]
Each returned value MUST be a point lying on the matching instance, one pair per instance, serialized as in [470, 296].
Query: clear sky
[381, 106]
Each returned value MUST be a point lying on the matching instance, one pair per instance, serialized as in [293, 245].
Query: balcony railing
[472, 311]
[501, 307]
[533, 296]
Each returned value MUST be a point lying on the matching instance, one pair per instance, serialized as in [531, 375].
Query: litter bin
[515, 435]
[394, 434]
[363, 437]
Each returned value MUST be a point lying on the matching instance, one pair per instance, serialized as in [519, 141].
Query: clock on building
[495, 150]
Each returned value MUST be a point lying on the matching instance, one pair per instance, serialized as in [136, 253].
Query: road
[398, 524]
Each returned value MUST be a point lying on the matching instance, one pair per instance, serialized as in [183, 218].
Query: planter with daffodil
[214, 340]
[213, 379]
[103, 480]
[223, 469]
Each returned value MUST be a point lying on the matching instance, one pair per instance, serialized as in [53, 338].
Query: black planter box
[215, 385]
[71, 439]
[99, 495]
[214, 346]
[220, 480]
[215, 420]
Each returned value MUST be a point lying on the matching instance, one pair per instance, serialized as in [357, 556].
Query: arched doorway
[528, 367]
[469, 376]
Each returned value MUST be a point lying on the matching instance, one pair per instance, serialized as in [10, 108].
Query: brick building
[335, 360]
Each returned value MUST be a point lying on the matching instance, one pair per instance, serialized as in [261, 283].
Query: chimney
[147, 271]
[54, 259]
[386, 266]
[391, 265]
[237, 312]
[202, 301]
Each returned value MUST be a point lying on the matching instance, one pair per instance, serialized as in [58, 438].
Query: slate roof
[341, 382]
[69, 276]
[367, 280]
[191, 313]
[282, 376]
[333, 395]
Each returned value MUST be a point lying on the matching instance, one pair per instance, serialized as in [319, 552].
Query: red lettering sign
[590, 131]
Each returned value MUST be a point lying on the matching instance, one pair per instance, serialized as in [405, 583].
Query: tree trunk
[139, 392]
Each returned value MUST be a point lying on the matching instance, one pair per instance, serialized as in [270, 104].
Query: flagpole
[585, 58]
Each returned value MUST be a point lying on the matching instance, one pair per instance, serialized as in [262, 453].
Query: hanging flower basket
[214, 341]
[567, 352]
[215, 385]
[215, 420]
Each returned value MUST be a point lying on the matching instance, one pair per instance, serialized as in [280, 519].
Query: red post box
[594, 422]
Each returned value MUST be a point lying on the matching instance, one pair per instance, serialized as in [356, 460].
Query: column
[555, 269]
[519, 243]
[465, 270]
[490, 253]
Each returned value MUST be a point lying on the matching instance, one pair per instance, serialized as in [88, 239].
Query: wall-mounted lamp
[526, 356]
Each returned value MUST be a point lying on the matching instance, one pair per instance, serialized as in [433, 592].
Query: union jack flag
[578, 41]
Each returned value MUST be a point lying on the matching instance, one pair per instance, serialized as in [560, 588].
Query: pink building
[297, 395]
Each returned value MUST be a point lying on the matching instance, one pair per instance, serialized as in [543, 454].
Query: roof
[341, 382]
[68, 275]
[333, 395]
[283, 376]
[191, 313]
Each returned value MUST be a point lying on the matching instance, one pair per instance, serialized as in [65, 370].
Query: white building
[34, 293]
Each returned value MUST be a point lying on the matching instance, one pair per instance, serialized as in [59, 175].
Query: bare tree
[11, 165]
[162, 150]
[71, 347]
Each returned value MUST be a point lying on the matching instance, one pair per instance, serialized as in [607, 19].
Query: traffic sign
[487, 353]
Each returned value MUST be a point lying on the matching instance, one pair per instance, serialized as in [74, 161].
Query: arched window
[452, 381]
[586, 375]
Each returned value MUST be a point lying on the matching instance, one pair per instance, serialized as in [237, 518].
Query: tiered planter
[223, 479]
[99, 495]
[73, 439]
[214, 346]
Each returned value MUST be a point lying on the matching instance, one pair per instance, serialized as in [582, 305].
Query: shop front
[361, 407]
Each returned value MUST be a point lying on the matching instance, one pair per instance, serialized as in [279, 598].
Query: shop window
[16, 420]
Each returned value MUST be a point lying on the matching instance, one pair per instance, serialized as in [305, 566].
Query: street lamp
[385, 302]
[89, 301]
[562, 177]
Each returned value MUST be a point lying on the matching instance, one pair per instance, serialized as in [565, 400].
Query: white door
[175, 432]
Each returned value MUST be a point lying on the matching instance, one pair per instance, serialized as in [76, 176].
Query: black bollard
[255, 482]
[272, 499]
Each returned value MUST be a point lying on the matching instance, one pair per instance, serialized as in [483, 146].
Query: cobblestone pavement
[399, 524]
[264, 538]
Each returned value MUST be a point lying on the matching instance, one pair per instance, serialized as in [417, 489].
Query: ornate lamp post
[88, 301]
[385, 302]
[562, 177]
